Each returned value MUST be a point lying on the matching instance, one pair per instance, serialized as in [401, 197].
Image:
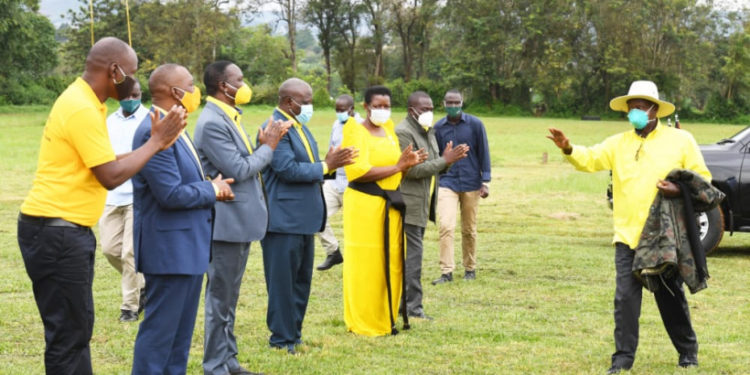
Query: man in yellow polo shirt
[640, 159]
[76, 166]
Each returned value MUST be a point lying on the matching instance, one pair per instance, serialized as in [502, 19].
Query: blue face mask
[305, 114]
[342, 116]
[639, 118]
[130, 105]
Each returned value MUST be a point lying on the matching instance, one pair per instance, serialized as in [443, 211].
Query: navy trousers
[288, 267]
[672, 305]
[163, 342]
[60, 264]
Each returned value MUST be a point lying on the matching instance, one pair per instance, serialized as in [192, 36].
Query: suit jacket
[294, 185]
[415, 187]
[222, 150]
[172, 210]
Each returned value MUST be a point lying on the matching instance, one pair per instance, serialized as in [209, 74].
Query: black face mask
[124, 87]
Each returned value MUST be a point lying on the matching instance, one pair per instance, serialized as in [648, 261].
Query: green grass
[541, 304]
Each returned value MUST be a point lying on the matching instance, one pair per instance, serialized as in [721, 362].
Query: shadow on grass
[731, 252]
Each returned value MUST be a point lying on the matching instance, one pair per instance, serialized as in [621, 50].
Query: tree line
[514, 57]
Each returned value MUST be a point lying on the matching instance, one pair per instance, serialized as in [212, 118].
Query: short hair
[454, 91]
[346, 98]
[415, 97]
[215, 73]
[376, 90]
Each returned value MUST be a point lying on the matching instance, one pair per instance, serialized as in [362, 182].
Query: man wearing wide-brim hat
[640, 159]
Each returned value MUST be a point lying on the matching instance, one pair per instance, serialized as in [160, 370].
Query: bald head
[293, 87]
[164, 78]
[111, 50]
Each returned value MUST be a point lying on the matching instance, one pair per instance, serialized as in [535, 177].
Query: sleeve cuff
[216, 189]
[325, 167]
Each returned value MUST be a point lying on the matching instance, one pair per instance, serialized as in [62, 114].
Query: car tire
[711, 227]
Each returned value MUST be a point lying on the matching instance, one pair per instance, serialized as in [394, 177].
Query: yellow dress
[365, 295]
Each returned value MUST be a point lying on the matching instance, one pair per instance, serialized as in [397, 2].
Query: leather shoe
[444, 278]
[688, 360]
[243, 371]
[127, 316]
[470, 275]
[420, 315]
[332, 259]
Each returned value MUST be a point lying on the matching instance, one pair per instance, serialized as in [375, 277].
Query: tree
[289, 13]
[27, 40]
[325, 15]
[374, 16]
[347, 36]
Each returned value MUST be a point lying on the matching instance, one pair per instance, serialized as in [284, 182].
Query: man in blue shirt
[463, 184]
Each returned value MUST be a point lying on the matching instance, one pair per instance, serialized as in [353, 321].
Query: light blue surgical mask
[305, 114]
[342, 116]
[639, 118]
[130, 105]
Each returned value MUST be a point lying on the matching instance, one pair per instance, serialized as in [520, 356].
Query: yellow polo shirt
[637, 165]
[75, 139]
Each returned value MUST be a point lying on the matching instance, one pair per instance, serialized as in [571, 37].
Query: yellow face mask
[191, 100]
[243, 95]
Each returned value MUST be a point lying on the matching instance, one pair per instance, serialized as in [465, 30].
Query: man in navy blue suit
[296, 211]
[172, 204]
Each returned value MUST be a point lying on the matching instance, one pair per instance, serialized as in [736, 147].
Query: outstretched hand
[561, 141]
[166, 130]
[410, 158]
[339, 157]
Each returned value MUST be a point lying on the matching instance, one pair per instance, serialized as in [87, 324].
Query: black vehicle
[729, 163]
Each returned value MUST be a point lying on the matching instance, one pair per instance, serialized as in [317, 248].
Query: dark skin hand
[452, 155]
[668, 189]
[408, 159]
[225, 192]
[339, 157]
[273, 133]
[484, 191]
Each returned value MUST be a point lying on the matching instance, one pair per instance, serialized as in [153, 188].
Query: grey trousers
[228, 260]
[413, 270]
[672, 306]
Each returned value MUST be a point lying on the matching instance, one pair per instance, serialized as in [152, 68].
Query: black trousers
[60, 264]
[413, 268]
[670, 299]
[288, 268]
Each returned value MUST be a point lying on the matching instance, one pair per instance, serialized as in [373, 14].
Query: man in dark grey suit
[225, 149]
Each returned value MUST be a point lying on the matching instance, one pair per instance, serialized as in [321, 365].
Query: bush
[322, 99]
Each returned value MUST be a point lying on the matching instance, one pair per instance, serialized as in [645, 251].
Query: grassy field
[541, 304]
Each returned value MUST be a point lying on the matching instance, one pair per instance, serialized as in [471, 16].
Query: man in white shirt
[333, 190]
[116, 224]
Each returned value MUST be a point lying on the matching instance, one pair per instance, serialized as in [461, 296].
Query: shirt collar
[121, 115]
[159, 109]
[233, 112]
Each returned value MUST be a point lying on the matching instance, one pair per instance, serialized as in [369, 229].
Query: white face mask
[425, 119]
[378, 117]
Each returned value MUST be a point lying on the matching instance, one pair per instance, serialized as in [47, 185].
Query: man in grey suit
[419, 188]
[225, 149]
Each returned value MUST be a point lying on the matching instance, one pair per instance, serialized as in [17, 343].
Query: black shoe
[444, 278]
[142, 300]
[470, 275]
[420, 315]
[332, 259]
[127, 316]
[688, 360]
[243, 371]
[616, 369]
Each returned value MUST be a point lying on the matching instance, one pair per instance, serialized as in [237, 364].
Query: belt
[48, 221]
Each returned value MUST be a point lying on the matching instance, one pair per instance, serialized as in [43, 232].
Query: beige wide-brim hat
[642, 90]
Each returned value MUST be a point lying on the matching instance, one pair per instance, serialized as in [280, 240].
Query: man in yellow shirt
[76, 166]
[640, 159]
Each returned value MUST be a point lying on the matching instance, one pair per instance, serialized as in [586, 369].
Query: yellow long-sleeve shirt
[637, 165]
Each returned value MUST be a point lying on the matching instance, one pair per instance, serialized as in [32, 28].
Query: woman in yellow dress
[367, 309]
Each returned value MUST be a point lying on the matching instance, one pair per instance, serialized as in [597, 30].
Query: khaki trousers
[448, 205]
[334, 203]
[116, 232]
